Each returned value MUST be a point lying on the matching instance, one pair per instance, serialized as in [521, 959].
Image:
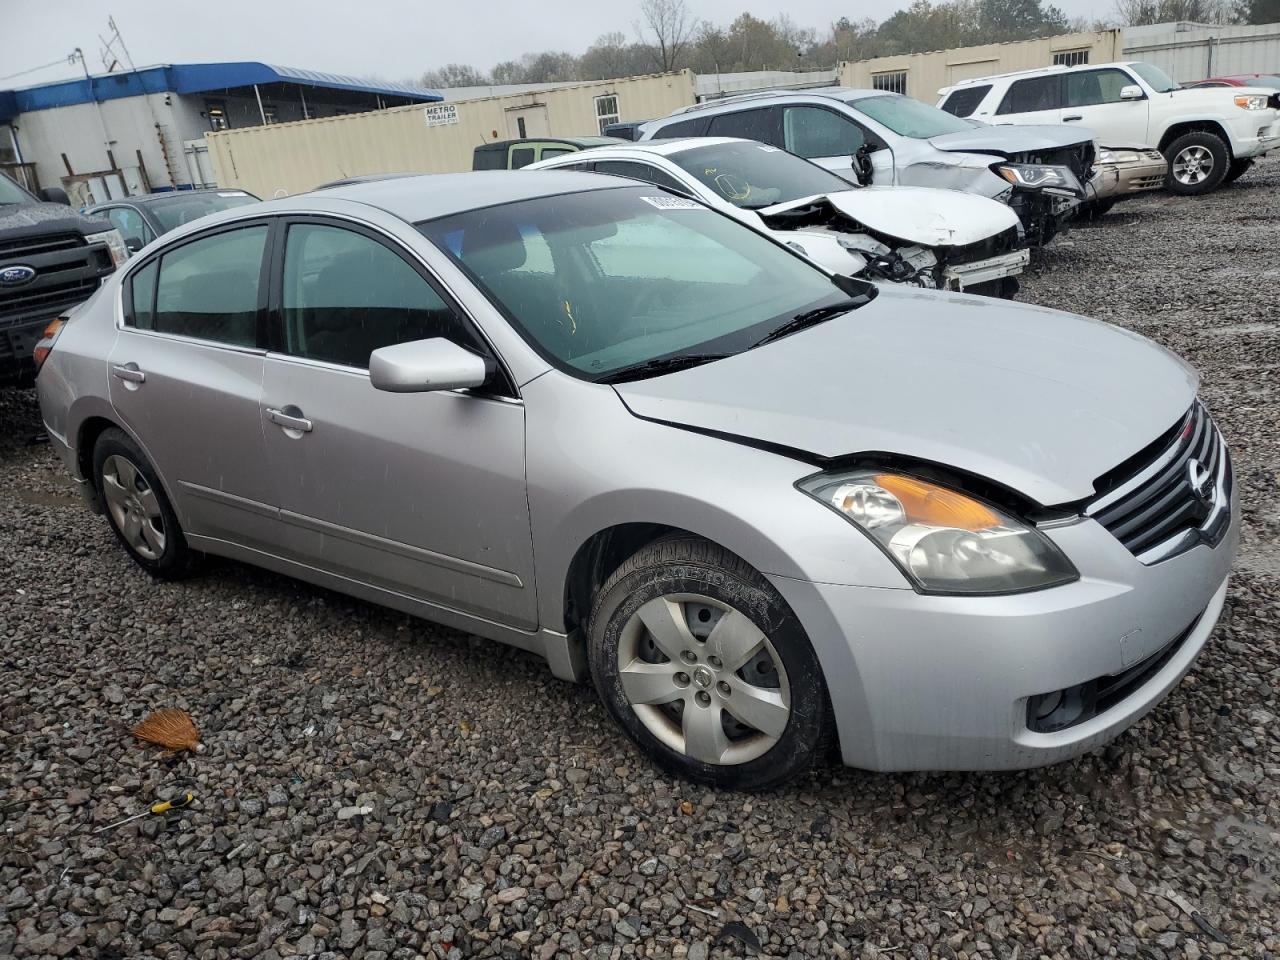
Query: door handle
[290, 421]
[128, 372]
[1074, 116]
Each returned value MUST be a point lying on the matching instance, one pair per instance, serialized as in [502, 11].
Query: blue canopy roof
[191, 78]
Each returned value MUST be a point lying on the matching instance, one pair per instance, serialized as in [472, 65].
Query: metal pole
[261, 113]
[302, 92]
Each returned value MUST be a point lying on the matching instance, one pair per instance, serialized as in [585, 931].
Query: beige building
[921, 75]
[287, 158]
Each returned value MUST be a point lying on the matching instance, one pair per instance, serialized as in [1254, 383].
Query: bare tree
[669, 23]
[1140, 12]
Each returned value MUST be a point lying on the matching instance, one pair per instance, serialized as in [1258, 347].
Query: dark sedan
[143, 218]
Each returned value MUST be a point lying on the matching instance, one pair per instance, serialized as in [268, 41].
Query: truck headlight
[1251, 101]
[944, 541]
[114, 242]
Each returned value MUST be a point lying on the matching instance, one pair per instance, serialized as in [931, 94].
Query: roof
[1038, 72]
[847, 94]
[153, 199]
[433, 195]
[185, 78]
[665, 148]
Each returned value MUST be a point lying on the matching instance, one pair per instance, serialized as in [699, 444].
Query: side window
[1090, 87]
[208, 288]
[1033, 94]
[521, 157]
[132, 227]
[549, 152]
[762, 125]
[817, 132]
[697, 127]
[142, 297]
[635, 170]
[962, 103]
[345, 295]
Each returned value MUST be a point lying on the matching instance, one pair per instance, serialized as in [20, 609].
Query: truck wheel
[1198, 162]
[1237, 170]
[137, 509]
[705, 667]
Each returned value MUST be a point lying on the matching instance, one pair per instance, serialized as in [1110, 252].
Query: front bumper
[963, 275]
[17, 344]
[943, 683]
[1116, 180]
[1258, 138]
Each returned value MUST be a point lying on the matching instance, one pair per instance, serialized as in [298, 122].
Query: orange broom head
[170, 728]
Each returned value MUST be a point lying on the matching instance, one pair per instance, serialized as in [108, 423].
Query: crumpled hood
[924, 215]
[17, 220]
[1039, 401]
[1008, 139]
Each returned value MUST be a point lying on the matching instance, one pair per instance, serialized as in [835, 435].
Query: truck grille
[32, 246]
[1173, 495]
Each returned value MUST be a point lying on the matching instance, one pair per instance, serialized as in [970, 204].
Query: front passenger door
[1093, 100]
[422, 494]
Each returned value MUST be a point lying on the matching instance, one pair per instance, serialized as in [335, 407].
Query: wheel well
[1195, 126]
[90, 430]
[597, 559]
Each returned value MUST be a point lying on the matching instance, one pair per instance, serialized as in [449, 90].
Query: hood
[923, 215]
[1220, 97]
[23, 219]
[1038, 401]
[1008, 139]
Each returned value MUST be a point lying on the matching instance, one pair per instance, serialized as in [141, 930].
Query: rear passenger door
[1032, 100]
[1092, 99]
[185, 374]
[422, 494]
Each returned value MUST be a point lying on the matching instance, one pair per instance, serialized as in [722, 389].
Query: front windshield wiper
[810, 318]
[657, 366]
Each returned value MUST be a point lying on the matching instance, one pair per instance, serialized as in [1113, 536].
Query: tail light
[45, 345]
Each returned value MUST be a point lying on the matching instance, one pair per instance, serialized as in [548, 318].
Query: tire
[1237, 170]
[137, 509]
[1095, 209]
[1198, 162]
[669, 597]
[1006, 288]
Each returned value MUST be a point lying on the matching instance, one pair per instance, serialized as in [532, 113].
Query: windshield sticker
[672, 203]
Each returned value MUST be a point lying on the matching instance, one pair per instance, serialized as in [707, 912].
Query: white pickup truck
[1208, 135]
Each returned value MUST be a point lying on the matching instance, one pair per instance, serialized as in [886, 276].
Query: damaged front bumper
[963, 275]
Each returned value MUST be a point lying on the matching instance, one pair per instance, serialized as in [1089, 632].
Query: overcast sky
[393, 39]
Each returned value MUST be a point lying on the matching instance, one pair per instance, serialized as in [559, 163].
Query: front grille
[1147, 183]
[1167, 491]
[1004, 242]
[1061, 709]
[33, 246]
[52, 299]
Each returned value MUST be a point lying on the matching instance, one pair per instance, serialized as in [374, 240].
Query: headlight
[1251, 101]
[1107, 156]
[114, 242]
[943, 540]
[1117, 156]
[1038, 175]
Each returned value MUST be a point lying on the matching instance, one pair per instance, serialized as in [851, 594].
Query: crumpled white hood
[923, 215]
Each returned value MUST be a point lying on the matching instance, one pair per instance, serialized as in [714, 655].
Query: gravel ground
[376, 787]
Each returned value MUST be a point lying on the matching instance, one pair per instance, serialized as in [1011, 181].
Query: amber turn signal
[926, 503]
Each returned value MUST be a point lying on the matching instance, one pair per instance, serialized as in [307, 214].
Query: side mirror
[55, 195]
[862, 168]
[1132, 92]
[421, 366]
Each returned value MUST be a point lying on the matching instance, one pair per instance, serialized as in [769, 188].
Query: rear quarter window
[962, 103]
[697, 127]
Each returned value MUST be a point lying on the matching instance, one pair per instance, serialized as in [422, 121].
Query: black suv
[51, 258]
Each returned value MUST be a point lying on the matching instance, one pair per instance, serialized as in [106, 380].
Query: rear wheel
[1237, 170]
[699, 659]
[1198, 163]
[137, 509]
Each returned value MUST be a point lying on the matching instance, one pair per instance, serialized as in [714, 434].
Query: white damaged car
[925, 236]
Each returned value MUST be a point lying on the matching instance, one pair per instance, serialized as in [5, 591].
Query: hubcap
[133, 506]
[704, 679]
[1192, 165]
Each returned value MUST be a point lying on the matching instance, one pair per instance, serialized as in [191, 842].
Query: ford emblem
[16, 275]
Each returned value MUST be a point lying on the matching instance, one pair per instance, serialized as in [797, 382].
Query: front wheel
[703, 664]
[1198, 163]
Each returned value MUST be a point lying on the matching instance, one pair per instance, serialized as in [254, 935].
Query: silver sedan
[766, 510]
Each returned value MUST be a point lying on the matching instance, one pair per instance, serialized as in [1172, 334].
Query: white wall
[1190, 52]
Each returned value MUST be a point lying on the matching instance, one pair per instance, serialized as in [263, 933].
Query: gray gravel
[376, 787]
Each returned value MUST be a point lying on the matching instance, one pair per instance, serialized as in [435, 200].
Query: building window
[217, 114]
[269, 113]
[895, 82]
[1070, 58]
[606, 110]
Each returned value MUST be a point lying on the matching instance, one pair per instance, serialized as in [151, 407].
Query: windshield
[10, 192]
[1272, 83]
[1155, 78]
[755, 175]
[605, 280]
[910, 118]
[174, 212]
